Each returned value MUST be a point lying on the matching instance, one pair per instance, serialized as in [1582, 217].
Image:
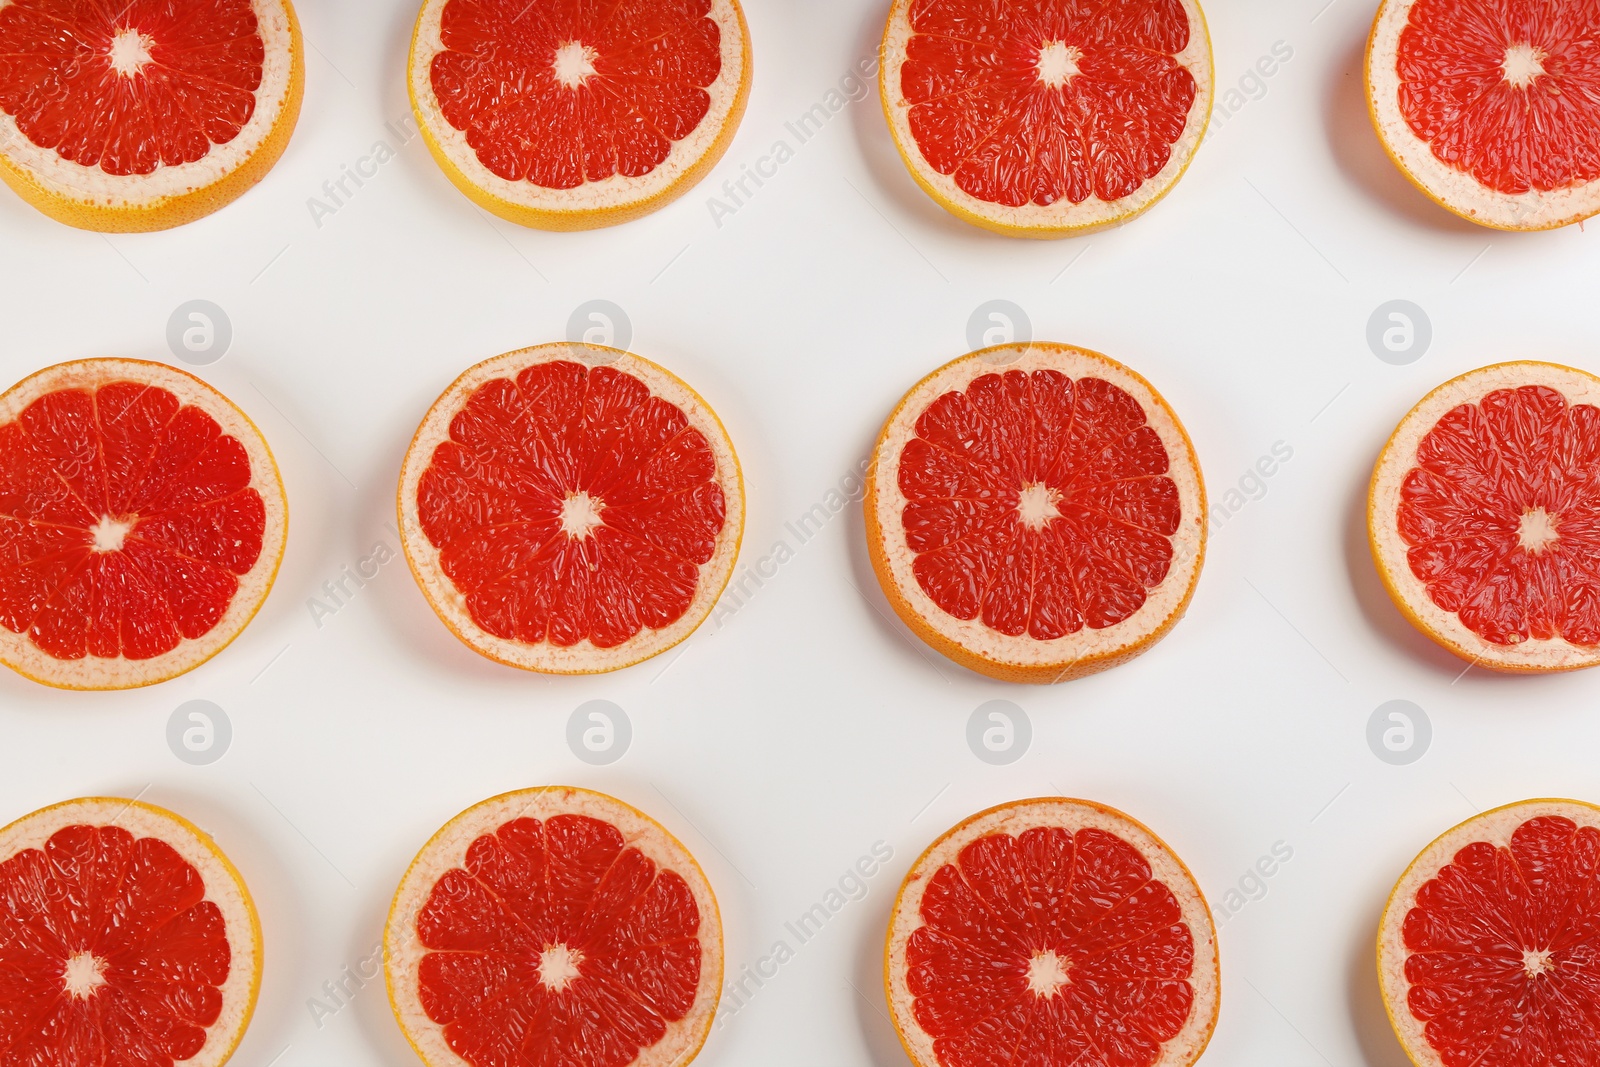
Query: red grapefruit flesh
[1484, 517]
[554, 927]
[1488, 948]
[1045, 118]
[144, 114]
[1036, 512]
[1055, 933]
[1492, 109]
[141, 524]
[571, 509]
[570, 116]
[126, 937]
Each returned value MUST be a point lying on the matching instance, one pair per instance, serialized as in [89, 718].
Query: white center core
[574, 64]
[1537, 530]
[1536, 963]
[84, 974]
[1523, 63]
[130, 51]
[1046, 974]
[109, 533]
[579, 515]
[558, 966]
[1037, 506]
[1058, 63]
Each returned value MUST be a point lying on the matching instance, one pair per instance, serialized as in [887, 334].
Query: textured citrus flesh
[66, 71]
[110, 950]
[561, 94]
[570, 503]
[126, 521]
[1502, 516]
[1038, 503]
[1052, 948]
[1040, 101]
[557, 943]
[1507, 92]
[1502, 946]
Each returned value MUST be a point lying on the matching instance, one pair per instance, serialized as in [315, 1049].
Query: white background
[781, 744]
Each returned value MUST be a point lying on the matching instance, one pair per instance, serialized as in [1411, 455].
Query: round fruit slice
[1488, 949]
[1043, 118]
[571, 509]
[126, 937]
[1484, 517]
[571, 116]
[1055, 933]
[554, 926]
[1036, 512]
[142, 115]
[141, 523]
[1491, 109]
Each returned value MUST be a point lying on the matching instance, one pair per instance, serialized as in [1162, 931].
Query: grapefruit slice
[1488, 946]
[141, 524]
[1036, 512]
[126, 937]
[1484, 517]
[554, 926]
[572, 116]
[571, 509]
[1491, 109]
[1045, 118]
[1055, 933]
[142, 115]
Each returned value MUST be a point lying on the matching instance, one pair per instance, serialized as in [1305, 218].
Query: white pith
[610, 193]
[223, 886]
[1064, 653]
[447, 849]
[130, 51]
[1456, 189]
[1494, 827]
[1536, 962]
[1064, 217]
[1058, 63]
[1074, 815]
[94, 187]
[110, 532]
[580, 514]
[1047, 973]
[558, 966]
[85, 972]
[1036, 506]
[18, 651]
[1537, 530]
[1523, 64]
[1390, 549]
[574, 64]
[584, 657]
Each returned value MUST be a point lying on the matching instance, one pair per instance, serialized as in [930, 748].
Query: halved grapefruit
[142, 115]
[1484, 517]
[570, 116]
[126, 937]
[142, 521]
[1046, 118]
[571, 509]
[1036, 512]
[1489, 948]
[1055, 933]
[1491, 109]
[551, 927]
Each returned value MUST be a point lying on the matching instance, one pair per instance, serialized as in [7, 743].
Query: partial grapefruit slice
[1484, 517]
[554, 926]
[144, 115]
[1055, 933]
[1491, 109]
[126, 937]
[1037, 118]
[1488, 946]
[568, 116]
[142, 521]
[1036, 512]
[571, 509]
